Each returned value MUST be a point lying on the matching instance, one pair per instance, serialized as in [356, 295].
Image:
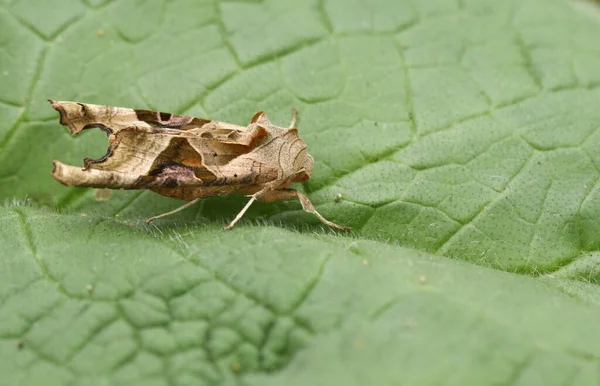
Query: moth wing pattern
[81, 116]
[167, 153]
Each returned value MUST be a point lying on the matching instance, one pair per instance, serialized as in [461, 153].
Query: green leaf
[462, 138]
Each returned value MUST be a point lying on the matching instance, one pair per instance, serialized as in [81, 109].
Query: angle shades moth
[189, 158]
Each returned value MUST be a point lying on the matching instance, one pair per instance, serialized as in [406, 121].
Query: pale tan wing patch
[81, 116]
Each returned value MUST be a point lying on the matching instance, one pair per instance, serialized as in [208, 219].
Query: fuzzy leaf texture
[460, 137]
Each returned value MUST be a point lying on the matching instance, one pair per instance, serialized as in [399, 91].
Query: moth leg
[306, 204]
[294, 118]
[237, 218]
[182, 207]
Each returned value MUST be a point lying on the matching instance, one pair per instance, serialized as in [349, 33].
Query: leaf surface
[461, 138]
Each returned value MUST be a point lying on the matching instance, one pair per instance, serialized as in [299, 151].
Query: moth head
[298, 161]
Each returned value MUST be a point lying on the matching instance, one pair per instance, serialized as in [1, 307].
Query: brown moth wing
[141, 135]
[164, 152]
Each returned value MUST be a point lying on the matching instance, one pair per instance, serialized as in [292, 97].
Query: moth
[189, 158]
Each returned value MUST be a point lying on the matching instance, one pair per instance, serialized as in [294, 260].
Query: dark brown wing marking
[180, 154]
[171, 121]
